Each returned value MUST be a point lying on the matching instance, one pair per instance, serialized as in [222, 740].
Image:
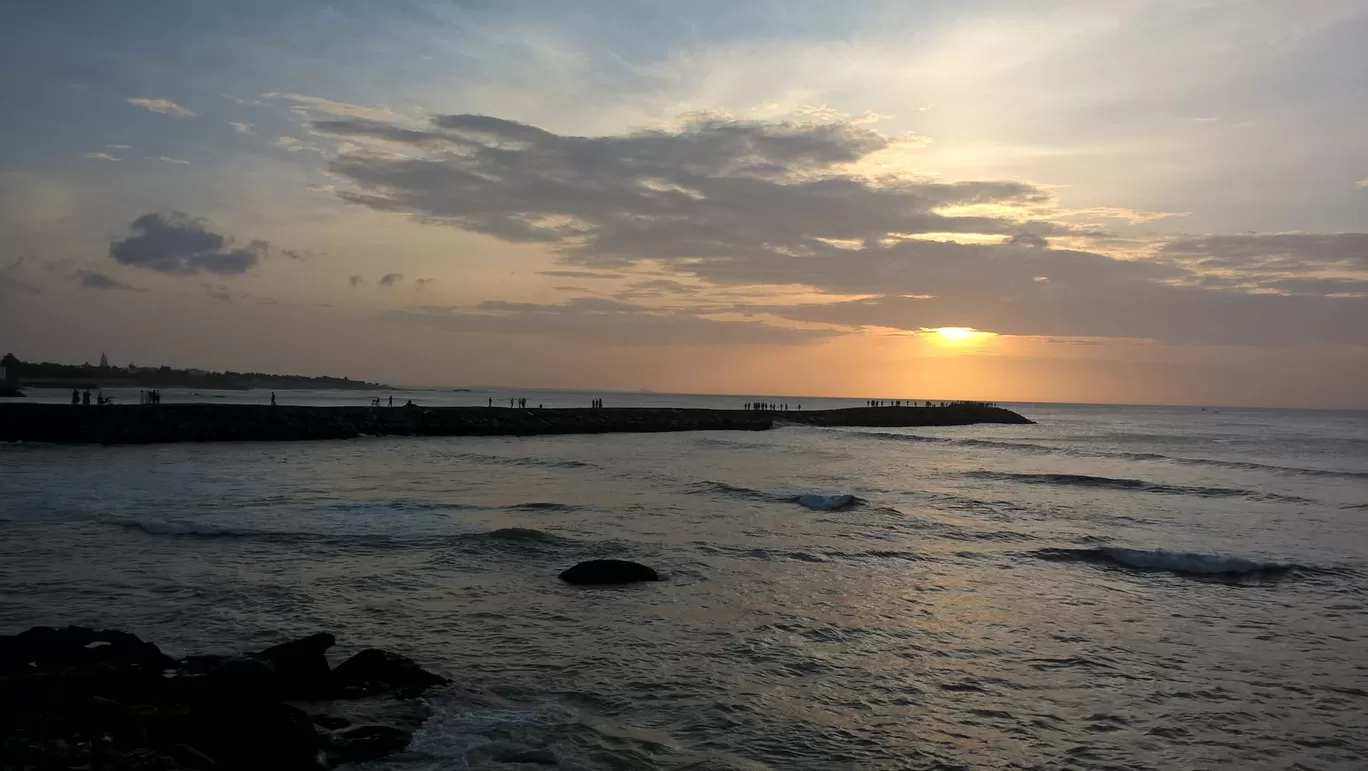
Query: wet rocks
[601, 572]
[84, 698]
[376, 671]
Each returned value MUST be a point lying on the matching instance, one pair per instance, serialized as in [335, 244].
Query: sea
[1114, 587]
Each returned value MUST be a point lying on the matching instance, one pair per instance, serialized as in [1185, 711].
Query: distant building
[104, 361]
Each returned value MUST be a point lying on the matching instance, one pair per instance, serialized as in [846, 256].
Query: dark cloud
[93, 279]
[1028, 239]
[179, 244]
[609, 322]
[712, 188]
[354, 281]
[422, 283]
[299, 254]
[390, 279]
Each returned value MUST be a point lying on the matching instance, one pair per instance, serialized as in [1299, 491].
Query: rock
[366, 742]
[46, 649]
[301, 666]
[608, 572]
[264, 736]
[373, 670]
[330, 722]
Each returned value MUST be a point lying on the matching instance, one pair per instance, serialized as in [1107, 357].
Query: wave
[814, 501]
[522, 461]
[522, 536]
[518, 534]
[820, 502]
[1078, 452]
[1180, 563]
[1136, 485]
[172, 527]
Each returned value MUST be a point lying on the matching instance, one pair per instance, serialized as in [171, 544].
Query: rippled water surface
[1111, 588]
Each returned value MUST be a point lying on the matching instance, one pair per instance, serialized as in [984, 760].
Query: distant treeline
[88, 376]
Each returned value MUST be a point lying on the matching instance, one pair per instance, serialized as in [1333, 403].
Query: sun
[956, 337]
[957, 333]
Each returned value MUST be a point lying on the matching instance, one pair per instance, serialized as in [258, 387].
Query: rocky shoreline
[144, 424]
[79, 698]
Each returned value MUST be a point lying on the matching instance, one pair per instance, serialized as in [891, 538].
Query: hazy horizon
[1149, 202]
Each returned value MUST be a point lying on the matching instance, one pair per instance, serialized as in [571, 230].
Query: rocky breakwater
[78, 698]
[953, 414]
[142, 424]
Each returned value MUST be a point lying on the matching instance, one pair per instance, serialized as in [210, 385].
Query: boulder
[47, 649]
[374, 671]
[608, 572]
[301, 666]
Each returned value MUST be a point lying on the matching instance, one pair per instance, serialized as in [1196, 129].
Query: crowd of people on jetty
[768, 407]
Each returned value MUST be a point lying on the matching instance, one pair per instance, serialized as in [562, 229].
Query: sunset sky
[1156, 201]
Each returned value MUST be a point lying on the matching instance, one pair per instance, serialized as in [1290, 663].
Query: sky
[1131, 201]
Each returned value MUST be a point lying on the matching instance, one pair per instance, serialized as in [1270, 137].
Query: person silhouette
[273, 403]
[391, 400]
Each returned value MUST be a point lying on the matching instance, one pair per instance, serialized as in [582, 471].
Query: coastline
[166, 423]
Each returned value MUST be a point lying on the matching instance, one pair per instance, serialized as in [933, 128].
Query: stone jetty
[144, 424]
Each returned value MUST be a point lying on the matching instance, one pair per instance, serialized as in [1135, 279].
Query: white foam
[1185, 562]
[170, 527]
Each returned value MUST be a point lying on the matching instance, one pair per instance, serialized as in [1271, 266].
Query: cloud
[390, 279]
[1028, 239]
[299, 254]
[222, 294]
[607, 322]
[120, 147]
[240, 128]
[163, 106]
[713, 187]
[422, 283]
[354, 281]
[741, 203]
[578, 274]
[1363, 182]
[100, 157]
[170, 160]
[13, 280]
[330, 107]
[1271, 251]
[93, 279]
[316, 188]
[179, 244]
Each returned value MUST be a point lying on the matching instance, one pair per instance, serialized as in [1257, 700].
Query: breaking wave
[1136, 485]
[820, 502]
[814, 501]
[1180, 563]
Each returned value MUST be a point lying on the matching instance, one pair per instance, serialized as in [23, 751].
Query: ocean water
[1114, 587]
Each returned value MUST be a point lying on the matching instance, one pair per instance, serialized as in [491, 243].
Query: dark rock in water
[608, 572]
[366, 742]
[46, 649]
[373, 671]
[330, 722]
[301, 666]
[79, 698]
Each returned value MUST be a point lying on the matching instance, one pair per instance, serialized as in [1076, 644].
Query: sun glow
[956, 337]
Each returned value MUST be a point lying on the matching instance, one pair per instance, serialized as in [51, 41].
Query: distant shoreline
[144, 424]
